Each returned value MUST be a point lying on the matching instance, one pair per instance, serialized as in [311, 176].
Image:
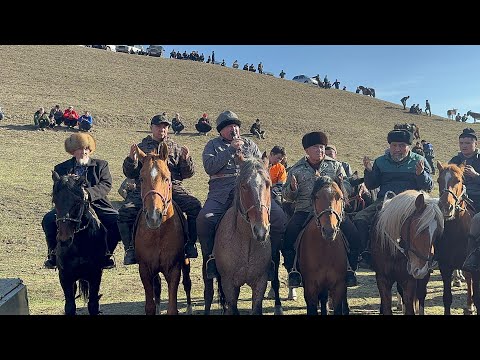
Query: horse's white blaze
[154, 173]
[448, 176]
[431, 228]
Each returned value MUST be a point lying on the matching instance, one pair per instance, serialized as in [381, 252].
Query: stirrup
[211, 268]
[294, 279]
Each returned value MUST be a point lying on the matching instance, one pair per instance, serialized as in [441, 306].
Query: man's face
[275, 158]
[332, 153]
[82, 155]
[226, 132]
[467, 145]
[399, 150]
[160, 132]
[316, 153]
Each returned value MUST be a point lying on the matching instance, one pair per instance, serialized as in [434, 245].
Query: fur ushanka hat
[79, 141]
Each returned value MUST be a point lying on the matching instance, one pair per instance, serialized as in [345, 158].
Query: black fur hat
[400, 136]
[314, 138]
[468, 132]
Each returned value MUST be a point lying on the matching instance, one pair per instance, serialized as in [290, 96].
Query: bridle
[77, 220]
[166, 201]
[330, 210]
[458, 199]
[258, 206]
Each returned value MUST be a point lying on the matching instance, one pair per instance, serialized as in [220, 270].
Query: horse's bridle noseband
[166, 202]
[329, 210]
[244, 213]
[458, 199]
[77, 220]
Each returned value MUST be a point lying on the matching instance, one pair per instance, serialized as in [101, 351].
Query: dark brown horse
[159, 238]
[322, 258]
[367, 91]
[452, 249]
[403, 238]
[242, 245]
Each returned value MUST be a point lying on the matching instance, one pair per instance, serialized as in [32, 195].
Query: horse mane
[397, 210]
[249, 166]
[69, 181]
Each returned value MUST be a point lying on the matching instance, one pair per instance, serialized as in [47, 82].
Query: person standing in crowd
[403, 100]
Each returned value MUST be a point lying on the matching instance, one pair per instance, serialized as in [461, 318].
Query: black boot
[472, 262]
[365, 259]
[108, 262]
[126, 236]
[51, 262]
[190, 250]
[211, 268]
[129, 258]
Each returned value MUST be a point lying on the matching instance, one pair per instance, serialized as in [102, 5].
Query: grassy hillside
[123, 92]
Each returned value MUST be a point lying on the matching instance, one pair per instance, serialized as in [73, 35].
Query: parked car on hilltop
[105, 47]
[130, 49]
[305, 79]
[155, 50]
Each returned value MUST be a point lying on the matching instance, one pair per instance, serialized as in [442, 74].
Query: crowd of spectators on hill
[69, 117]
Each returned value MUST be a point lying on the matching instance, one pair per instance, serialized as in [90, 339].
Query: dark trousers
[70, 122]
[128, 212]
[296, 224]
[107, 218]
[84, 126]
[430, 162]
[213, 211]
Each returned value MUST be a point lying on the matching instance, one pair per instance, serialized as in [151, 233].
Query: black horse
[81, 243]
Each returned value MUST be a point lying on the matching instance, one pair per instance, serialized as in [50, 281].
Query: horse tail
[221, 295]
[83, 289]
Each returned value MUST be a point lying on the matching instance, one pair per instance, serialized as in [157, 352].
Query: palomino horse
[81, 243]
[242, 245]
[474, 115]
[403, 239]
[451, 113]
[321, 251]
[159, 238]
[452, 248]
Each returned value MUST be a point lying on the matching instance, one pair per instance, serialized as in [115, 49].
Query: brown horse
[367, 91]
[242, 245]
[322, 258]
[403, 238]
[159, 238]
[452, 249]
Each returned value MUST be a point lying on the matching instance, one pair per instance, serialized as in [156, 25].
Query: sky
[447, 75]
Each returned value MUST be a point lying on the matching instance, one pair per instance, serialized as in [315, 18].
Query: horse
[321, 253]
[451, 113]
[360, 197]
[403, 240]
[367, 91]
[474, 115]
[452, 249]
[81, 243]
[413, 128]
[242, 246]
[159, 236]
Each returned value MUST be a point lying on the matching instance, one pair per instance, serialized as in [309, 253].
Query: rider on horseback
[298, 187]
[399, 169]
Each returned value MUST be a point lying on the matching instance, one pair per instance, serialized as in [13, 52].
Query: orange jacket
[278, 174]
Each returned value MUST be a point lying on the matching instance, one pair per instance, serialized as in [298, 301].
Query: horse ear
[440, 167]
[420, 203]
[462, 165]
[55, 176]
[265, 159]
[140, 154]
[163, 151]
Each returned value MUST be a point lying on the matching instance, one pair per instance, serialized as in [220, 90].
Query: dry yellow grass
[123, 92]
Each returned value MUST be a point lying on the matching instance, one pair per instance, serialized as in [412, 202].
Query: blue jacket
[85, 118]
[398, 176]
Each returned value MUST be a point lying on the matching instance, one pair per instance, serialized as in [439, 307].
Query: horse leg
[311, 296]
[422, 294]
[409, 288]
[207, 287]
[323, 298]
[172, 276]
[339, 295]
[157, 291]
[385, 289]
[93, 290]
[69, 289]
[469, 309]
[187, 285]
[276, 282]
[147, 280]
[258, 289]
[446, 274]
[231, 293]
[476, 290]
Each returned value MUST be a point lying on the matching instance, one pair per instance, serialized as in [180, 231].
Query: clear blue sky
[447, 75]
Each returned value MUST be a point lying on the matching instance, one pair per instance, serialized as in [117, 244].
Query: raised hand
[367, 163]
[419, 167]
[294, 183]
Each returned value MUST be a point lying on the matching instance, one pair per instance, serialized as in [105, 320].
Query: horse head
[452, 189]
[252, 197]
[328, 206]
[418, 235]
[70, 205]
[156, 188]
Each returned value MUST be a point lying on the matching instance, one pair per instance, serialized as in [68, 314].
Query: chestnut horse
[321, 253]
[159, 238]
[81, 243]
[452, 249]
[404, 234]
[242, 245]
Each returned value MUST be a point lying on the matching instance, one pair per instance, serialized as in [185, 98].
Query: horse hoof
[292, 294]
[467, 311]
[189, 310]
[270, 295]
[278, 310]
